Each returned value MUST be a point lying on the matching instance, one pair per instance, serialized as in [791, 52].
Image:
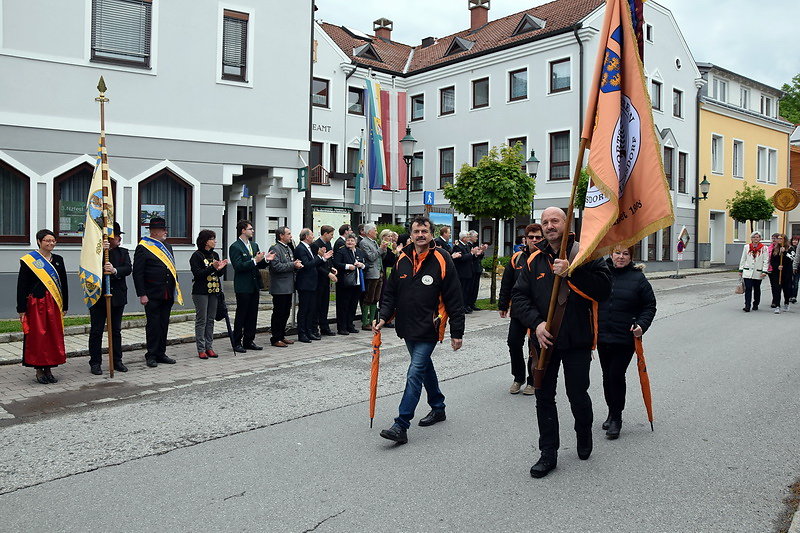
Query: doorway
[716, 236]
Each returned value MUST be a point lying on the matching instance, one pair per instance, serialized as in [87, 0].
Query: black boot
[614, 428]
[584, 446]
[544, 465]
[395, 433]
[608, 419]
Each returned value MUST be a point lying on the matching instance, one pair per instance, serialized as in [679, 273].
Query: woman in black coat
[349, 262]
[626, 314]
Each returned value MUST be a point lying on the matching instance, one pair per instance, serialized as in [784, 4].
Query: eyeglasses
[535, 237]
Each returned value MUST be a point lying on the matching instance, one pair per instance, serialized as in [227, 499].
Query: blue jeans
[420, 373]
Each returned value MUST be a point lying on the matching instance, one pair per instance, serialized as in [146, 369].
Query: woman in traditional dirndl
[42, 300]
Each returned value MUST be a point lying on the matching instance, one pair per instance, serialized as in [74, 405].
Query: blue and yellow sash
[158, 249]
[46, 273]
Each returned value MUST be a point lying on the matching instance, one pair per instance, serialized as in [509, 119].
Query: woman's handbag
[739, 288]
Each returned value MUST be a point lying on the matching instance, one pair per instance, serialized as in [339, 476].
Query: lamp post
[532, 167]
[408, 143]
[704, 185]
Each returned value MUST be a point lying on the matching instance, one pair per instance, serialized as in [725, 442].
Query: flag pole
[101, 86]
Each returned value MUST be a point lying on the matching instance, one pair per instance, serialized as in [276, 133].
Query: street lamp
[408, 143]
[532, 166]
[705, 185]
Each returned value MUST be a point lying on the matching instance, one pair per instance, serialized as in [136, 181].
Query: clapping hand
[456, 255]
[259, 257]
[298, 264]
[270, 256]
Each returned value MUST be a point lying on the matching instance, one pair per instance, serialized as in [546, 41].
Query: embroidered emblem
[427, 280]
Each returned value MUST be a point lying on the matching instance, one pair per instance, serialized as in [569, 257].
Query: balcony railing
[319, 176]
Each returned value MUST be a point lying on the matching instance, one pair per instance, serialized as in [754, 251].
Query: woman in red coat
[41, 303]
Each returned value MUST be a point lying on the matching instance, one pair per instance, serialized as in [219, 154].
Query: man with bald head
[571, 344]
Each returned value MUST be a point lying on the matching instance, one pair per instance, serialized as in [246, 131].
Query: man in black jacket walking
[572, 344]
[422, 291]
[118, 268]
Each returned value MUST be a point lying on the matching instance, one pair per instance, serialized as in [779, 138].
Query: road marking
[5, 414]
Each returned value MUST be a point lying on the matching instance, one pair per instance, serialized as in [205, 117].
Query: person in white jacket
[752, 269]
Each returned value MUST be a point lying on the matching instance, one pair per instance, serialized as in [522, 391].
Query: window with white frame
[766, 106]
[319, 92]
[480, 93]
[446, 166]
[560, 75]
[417, 167]
[738, 161]
[447, 100]
[717, 165]
[683, 169]
[121, 32]
[518, 84]
[418, 107]
[648, 33]
[744, 98]
[767, 165]
[668, 165]
[655, 94]
[677, 103]
[559, 155]
[234, 45]
[740, 231]
[720, 90]
[15, 191]
[479, 151]
[165, 192]
[355, 100]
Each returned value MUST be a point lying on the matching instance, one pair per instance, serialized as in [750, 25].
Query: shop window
[70, 192]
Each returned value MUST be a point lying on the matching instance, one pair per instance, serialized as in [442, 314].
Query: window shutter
[121, 31]
[234, 45]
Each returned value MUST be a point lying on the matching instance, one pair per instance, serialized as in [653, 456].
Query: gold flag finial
[101, 85]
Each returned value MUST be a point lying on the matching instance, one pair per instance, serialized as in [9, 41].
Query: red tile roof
[559, 16]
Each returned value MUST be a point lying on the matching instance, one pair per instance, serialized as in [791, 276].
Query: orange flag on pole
[628, 197]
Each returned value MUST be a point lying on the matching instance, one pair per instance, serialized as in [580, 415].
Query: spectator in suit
[373, 274]
[155, 279]
[306, 285]
[326, 273]
[282, 270]
[478, 254]
[206, 268]
[462, 258]
[443, 240]
[344, 229]
[349, 261]
[118, 268]
[247, 260]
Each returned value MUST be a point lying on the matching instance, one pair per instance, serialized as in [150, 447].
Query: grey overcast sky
[757, 39]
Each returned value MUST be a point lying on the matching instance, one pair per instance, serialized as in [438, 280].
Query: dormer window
[367, 51]
[528, 23]
[459, 45]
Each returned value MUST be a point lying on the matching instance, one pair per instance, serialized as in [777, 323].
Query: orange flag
[628, 197]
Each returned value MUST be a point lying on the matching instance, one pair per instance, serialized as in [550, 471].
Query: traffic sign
[428, 198]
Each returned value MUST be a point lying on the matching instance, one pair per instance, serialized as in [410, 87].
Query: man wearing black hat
[156, 282]
[118, 268]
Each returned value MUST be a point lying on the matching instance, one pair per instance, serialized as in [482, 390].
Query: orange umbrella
[373, 377]
[644, 379]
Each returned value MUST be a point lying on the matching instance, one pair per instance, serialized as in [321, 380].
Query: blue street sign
[428, 195]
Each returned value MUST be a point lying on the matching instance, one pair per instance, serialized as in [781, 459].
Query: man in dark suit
[325, 274]
[462, 258]
[478, 253]
[443, 240]
[306, 285]
[154, 277]
[344, 229]
[246, 260]
[118, 268]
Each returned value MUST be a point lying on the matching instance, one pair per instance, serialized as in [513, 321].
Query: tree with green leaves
[497, 188]
[751, 203]
[580, 190]
[790, 103]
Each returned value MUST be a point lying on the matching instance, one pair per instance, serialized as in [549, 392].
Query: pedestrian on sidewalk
[349, 261]
[281, 285]
[326, 273]
[423, 291]
[206, 268]
[247, 259]
[780, 273]
[42, 302]
[516, 329]
[753, 268]
[572, 348]
[118, 268]
[156, 282]
[626, 314]
[373, 274]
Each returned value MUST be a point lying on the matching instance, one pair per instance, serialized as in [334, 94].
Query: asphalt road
[291, 449]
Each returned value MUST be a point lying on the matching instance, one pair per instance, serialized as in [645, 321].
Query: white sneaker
[785, 307]
[777, 310]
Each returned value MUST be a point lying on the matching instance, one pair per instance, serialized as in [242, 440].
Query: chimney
[427, 41]
[383, 29]
[478, 14]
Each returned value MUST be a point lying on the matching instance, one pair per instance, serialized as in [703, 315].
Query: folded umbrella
[373, 378]
[644, 379]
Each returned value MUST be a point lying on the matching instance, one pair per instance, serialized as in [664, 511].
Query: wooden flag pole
[101, 86]
[544, 352]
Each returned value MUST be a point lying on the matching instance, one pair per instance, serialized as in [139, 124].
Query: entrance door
[316, 154]
[716, 236]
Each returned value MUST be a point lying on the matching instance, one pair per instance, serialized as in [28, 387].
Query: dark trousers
[784, 286]
[476, 285]
[281, 309]
[157, 313]
[516, 344]
[346, 304]
[244, 325]
[306, 312]
[466, 291]
[97, 315]
[576, 380]
[752, 292]
[323, 304]
[614, 360]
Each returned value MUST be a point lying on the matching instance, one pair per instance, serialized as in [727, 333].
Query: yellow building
[741, 140]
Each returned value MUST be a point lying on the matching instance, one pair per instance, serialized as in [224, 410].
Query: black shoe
[773, 306]
[467, 311]
[239, 348]
[165, 359]
[95, 369]
[252, 346]
[755, 307]
[328, 333]
[42, 379]
[476, 308]
[315, 337]
[395, 433]
[613, 429]
[352, 330]
[584, 446]
[49, 375]
[605, 424]
[119, 367]
[433, 417]
[304, 339]
[343, 332]
[152, 363]
[543, 466]
[746, 309]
